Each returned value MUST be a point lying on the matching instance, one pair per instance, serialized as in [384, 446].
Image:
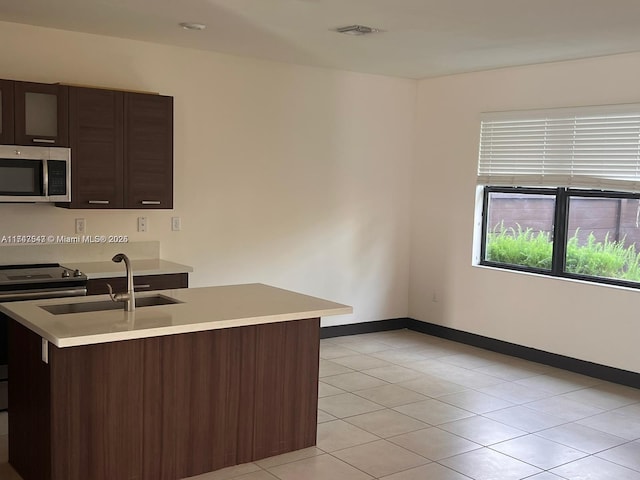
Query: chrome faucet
[129, 297]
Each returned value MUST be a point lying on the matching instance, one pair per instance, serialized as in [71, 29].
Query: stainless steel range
[32, 282]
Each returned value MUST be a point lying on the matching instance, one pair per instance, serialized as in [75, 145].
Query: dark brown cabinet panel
[29, 400]
[87, 380]
[286, 398]
[162, 408]
[207, 416]
[148, 140]
[41, 114]
[96, 133]
[122, 149]
[6, 112]
[141, 283]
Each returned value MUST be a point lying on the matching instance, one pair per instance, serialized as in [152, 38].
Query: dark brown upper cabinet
[148, 151]
[41, 114]
[6, 112]
[96, 133]
[121, 149]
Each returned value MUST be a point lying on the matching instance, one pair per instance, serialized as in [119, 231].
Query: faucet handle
[113, 298]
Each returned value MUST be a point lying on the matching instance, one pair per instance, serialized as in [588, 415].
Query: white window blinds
[587, 147]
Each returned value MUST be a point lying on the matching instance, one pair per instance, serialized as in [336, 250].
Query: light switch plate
[142, 224]
[176, 224]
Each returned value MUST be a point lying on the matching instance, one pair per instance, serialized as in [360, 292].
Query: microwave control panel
[57, 177]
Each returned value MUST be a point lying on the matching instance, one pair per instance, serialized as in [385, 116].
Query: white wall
[293, 176]
[300, 177]
[586, 321]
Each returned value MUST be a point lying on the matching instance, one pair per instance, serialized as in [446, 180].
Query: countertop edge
[201, 327]
[297, 311]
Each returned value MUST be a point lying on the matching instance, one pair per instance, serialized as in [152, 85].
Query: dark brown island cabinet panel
[30, 400]
[148, 151]
[162, 408]
[286, 399]
[41, 114]
[96, 137]
[6, 112]
[206, 430]
[141, 283]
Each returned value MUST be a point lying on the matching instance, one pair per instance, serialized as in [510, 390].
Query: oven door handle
[42, 294]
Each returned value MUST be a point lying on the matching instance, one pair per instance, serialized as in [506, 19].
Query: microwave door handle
[45, 178]
[42, 140]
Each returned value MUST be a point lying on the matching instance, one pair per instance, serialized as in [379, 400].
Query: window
[519, 228]
[561, 193]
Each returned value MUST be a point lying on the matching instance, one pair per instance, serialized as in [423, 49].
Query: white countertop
[206, 308]
[109, 269]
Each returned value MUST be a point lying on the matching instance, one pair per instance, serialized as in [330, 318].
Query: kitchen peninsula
[226, 375]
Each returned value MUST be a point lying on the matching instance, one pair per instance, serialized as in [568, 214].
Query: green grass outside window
[607, 259]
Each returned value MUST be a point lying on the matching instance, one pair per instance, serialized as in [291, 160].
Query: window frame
[562, 197]
[485, 228]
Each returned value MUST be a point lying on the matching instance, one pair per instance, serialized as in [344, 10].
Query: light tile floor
[401, 405]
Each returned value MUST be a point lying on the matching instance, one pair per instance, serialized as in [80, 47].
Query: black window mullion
[485, 214]
[560, 232]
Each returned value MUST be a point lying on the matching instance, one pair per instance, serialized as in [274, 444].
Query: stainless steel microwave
[35, 174]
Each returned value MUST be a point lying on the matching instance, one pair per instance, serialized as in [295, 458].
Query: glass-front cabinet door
[6, 109]
[41, 114]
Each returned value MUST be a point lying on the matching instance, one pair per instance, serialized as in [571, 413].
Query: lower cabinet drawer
[144, 283]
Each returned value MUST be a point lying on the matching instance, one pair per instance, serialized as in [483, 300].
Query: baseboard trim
[365, 327]
[596, 370]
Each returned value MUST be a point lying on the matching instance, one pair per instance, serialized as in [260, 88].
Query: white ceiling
[421, 38]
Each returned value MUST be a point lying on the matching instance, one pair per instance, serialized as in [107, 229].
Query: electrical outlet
[142, 224]
[176, 224]
[81, 225]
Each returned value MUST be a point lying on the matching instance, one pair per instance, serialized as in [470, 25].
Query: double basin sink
[84, 307]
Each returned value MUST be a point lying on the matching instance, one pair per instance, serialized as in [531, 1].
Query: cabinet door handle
[146, 285]
[43, 140]
[151, 202]
[99, 202]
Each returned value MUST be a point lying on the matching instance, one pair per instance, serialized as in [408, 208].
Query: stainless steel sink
[103, 305]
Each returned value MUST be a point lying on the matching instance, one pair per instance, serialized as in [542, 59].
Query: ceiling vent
[193, 26]
[357, 30]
